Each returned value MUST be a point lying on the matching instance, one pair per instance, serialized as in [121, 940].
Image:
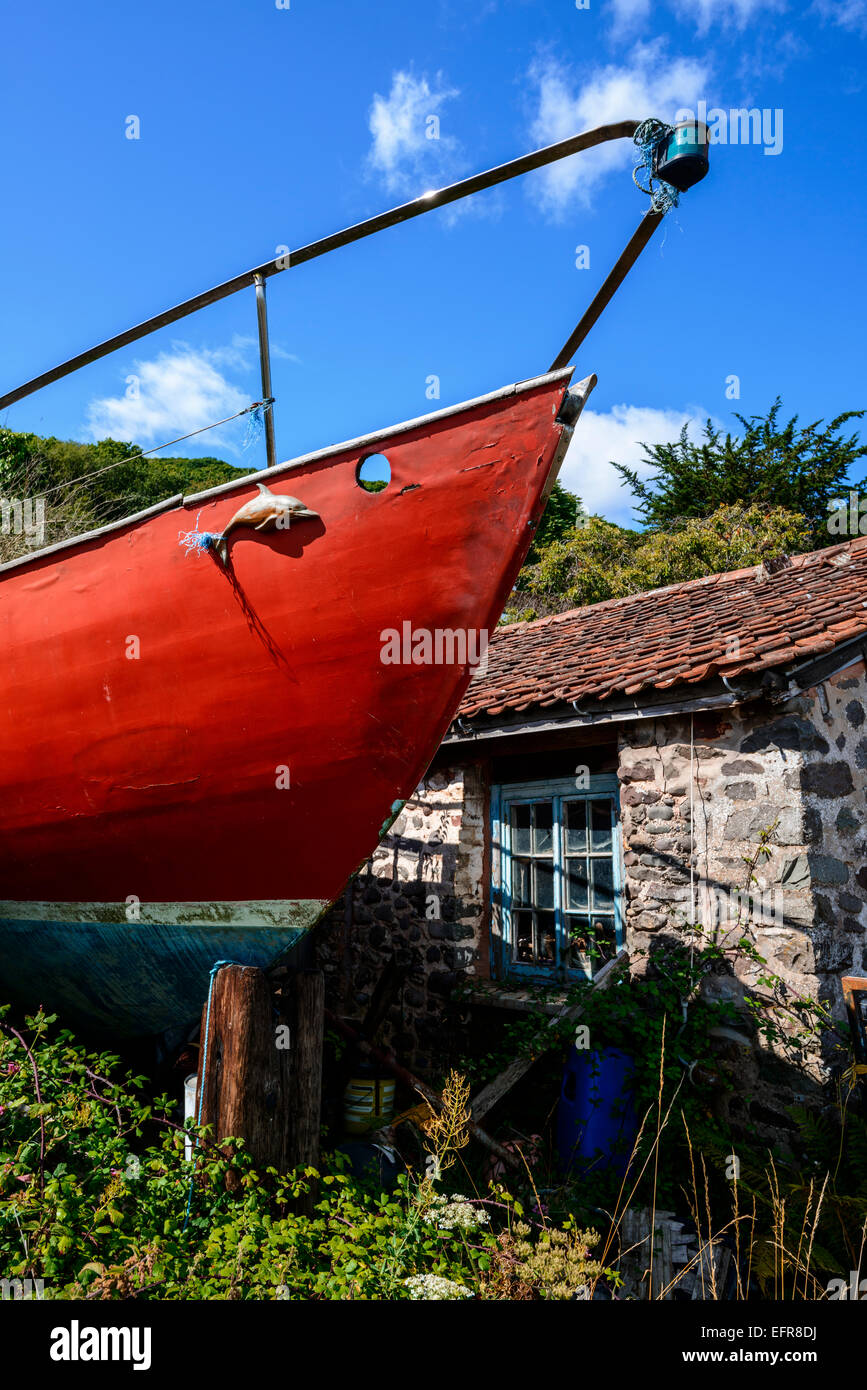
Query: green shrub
[98, 1200]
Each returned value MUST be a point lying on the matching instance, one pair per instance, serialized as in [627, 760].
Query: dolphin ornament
[267, 512]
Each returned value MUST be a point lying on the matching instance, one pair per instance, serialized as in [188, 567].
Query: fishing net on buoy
[650, 135]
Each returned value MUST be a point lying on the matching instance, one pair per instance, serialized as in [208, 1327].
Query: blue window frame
[556, 877]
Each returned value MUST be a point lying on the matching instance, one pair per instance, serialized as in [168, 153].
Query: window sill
[516, 996]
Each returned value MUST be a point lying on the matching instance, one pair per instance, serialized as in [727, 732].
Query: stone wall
[799, 768]
[421, 897]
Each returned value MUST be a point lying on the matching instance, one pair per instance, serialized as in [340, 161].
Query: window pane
[545, 937]
[604, 947]
[522, 928]
[602, 871]
[600, 822]
[578, 929]
[576, 826]
[579, 932]
[544, 885]
[521, 883]
[521, 829]
[543, 822]
[576, 883]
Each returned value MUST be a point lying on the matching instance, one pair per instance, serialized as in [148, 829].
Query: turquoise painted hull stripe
[125, 979]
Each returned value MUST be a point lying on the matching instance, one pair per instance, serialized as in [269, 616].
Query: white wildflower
[434, 1286]
[455, 1213]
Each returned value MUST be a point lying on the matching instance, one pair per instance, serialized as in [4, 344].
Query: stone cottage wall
[801, 768]
[419, 897]
[833, 786]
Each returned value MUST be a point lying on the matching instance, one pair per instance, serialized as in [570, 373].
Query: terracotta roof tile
[678, 635]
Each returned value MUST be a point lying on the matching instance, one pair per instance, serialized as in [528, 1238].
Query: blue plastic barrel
[596, 1121]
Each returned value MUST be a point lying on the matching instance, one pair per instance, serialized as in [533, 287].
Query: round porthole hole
[373, 473]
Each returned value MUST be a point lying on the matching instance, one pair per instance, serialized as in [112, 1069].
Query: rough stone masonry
[692, 809]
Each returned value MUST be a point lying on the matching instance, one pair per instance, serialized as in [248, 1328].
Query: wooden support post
[245, 1089]
[387, 989]
[635, 1258]
[307, 1041]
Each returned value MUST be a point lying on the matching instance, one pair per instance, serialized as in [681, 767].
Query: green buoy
[682, 159]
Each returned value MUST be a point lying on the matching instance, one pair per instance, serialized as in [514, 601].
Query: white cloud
[849, 14]
[649, 84]
[238, 354]
[410, 150]
[627, 12]
[246, 349]
[765, 59]
[617, 434]
[712, 14]
[282, 355]
[177, 392]
[703, 14]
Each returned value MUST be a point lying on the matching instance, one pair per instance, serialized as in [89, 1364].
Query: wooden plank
[634, 1262]
[307, 1042]
[493, 1093]
[662, 1271]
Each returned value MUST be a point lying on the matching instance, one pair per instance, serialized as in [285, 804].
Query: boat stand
[260, 1063]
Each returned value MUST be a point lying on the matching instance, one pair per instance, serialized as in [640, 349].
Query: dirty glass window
[558, 876]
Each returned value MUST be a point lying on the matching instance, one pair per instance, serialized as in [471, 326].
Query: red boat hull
[179, 733]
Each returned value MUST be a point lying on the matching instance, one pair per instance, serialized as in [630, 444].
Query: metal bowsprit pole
[265, 366]
[417, 207]
[683, 161]
[637, 242]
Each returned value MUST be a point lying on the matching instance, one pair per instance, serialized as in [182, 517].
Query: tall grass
[772, 1250]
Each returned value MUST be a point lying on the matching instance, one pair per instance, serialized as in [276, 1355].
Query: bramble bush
[99, 1201]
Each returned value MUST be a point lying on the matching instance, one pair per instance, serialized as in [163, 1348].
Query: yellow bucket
[368, 1103]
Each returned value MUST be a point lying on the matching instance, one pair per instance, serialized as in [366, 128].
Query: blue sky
[265, 127]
